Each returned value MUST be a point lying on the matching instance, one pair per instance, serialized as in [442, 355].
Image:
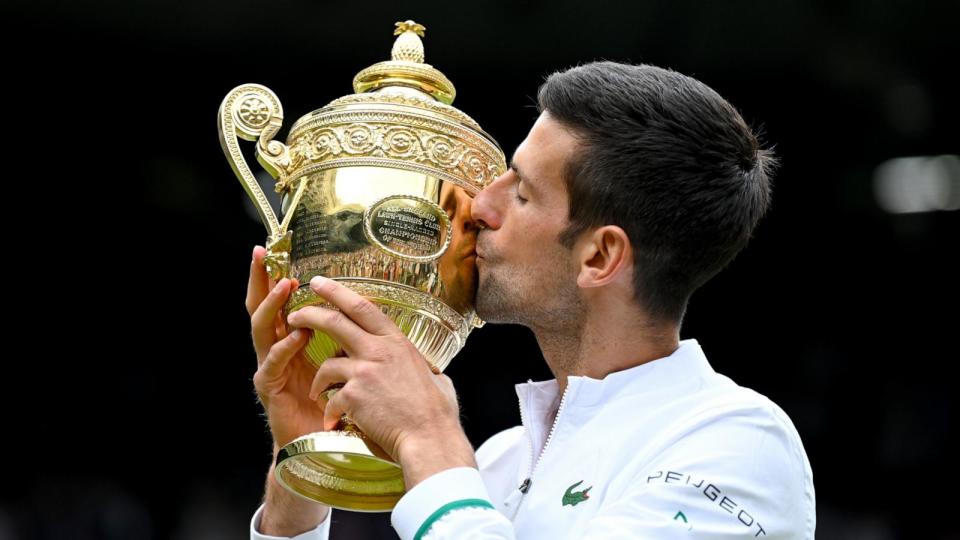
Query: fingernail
[282, 284]
[318, 281]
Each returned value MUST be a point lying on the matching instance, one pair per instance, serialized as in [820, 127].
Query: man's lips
[479, 250]
[483, 251]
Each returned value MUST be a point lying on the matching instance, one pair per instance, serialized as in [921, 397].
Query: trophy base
[338, 468]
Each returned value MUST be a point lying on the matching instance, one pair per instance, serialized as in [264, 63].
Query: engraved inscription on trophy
[338, 232]
[407, 227]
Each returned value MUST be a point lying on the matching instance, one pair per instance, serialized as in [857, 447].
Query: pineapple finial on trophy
[408, 46]
[406, 67]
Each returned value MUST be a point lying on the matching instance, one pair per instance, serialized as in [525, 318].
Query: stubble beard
[495, 300]
[551, 307]
[550, 303]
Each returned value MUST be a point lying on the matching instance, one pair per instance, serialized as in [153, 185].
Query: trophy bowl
[376, 193]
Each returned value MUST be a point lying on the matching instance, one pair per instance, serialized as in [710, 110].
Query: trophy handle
[253, 112]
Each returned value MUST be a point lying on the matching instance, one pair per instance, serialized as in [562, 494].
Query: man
[634, 187]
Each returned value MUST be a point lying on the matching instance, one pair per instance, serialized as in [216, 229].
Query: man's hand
[282, 382]
[283, 376]
[388, 390]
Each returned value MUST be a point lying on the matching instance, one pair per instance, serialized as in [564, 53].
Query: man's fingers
[335, 324]
[333, 371]
[278, 358]
[279, 324]
[262, 322]
[334, 410]
[360, 310]
[257, 285]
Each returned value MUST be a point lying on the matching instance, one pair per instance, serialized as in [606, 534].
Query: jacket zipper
[525, 485]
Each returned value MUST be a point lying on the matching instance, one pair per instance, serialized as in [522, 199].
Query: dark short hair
[667, 159]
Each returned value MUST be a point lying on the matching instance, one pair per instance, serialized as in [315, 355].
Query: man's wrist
[423, 456]
[287, 514]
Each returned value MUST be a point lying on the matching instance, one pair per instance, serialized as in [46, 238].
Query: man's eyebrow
[513, 165]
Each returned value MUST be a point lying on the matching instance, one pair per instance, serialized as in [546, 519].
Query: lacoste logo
[574, 498]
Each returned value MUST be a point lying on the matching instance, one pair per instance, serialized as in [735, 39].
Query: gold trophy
[376, 193]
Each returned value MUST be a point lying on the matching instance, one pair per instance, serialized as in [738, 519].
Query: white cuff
[417, 508]
[322, 532]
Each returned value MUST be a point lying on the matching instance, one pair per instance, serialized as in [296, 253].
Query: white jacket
[669, 449]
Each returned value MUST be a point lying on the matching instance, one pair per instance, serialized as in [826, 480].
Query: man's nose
[486, 209]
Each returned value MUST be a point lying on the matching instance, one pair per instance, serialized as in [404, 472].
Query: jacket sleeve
[450, 504]
[322, 532]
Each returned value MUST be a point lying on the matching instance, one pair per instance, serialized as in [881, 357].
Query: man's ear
[604, 254]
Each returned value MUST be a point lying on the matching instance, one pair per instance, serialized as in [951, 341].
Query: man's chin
[483, 308]
[491, 310]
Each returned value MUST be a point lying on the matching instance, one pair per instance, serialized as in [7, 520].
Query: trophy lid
[406, 67]
[400, 117]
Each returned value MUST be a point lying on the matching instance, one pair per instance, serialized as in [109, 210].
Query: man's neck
[605, 345]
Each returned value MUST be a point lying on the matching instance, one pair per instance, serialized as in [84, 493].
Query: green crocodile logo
[574, 498]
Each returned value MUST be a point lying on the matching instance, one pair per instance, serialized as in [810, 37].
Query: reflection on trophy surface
[458, 265]
[377, 191]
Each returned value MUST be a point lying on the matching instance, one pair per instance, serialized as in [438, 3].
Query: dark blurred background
[129, 371]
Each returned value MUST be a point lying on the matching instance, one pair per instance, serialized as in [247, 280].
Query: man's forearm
[286, 514]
